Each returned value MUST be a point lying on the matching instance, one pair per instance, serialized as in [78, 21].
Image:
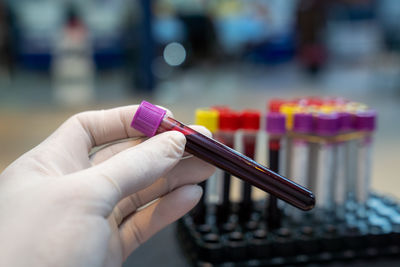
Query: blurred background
[58, 58]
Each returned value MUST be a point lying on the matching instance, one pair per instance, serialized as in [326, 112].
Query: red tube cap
[274, 105]
[221, 108]
[250, 120]
[315, 101]
[229, 121]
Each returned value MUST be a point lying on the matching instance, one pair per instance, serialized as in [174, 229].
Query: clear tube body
[241, 166]
[325, 174]
[300, 161]
[341, 178]
[363, 178]
[287, 151]
[299, 170]
[351, 170]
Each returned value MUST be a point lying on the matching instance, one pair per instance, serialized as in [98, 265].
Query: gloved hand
[59, 207]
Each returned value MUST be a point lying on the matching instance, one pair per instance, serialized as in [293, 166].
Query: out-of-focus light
[174, 54]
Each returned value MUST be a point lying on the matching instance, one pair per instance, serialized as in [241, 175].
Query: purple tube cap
[327, 124]
[148, 118]
[276, 123]
[303, 123]
[365, 120]
[346, 121]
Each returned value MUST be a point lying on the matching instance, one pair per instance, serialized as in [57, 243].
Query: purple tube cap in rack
[276, 123]
[365, 120]
[148, 118]
[327, 124]
[346, 121]
[303, 123]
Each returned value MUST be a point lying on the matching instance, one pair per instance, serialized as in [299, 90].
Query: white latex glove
[60, 208]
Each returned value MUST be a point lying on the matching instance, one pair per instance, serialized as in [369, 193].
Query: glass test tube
[364, 122]
[250, 125]
[288, 109]
[228, 125]
[209, 119]
[352, 156]
[151, 120]
[326, 125]
[274, 106]
[276, 129]
[300, 156]
[342, 166]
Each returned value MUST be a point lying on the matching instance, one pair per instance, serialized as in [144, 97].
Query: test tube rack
[348, 222]
[375, 235]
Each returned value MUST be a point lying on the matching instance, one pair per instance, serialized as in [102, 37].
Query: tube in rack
[300, 156]
[276, 129]
[343, 166]
[228, 125]
[250, 125]
[209, 119]
[326, 125]
[364, 122]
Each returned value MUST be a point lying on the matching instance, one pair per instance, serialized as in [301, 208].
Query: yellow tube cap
[327, 109]
[289, 110]
[207, 118]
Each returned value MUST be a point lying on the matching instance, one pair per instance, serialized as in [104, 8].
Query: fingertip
[194, 193]
[178, 138]
[185, 198]
[197, 191]
[201, 129]
[171, 144]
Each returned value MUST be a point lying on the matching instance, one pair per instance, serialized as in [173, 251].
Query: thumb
[136, 168]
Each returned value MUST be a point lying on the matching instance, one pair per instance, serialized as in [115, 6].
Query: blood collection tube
[300, 156]
[250, 125]
[209, 119]
[352, 156]
[152, 120]
[228, 125]
[288, 109]
[276, 129]
[342, 175]
[326, 126]
[365, 122]
[274, 106]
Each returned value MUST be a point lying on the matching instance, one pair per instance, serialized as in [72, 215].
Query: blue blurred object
[167, 29]
[146, 79]
[236, 31]
[38, 23]
[108, 52]
[278, 49]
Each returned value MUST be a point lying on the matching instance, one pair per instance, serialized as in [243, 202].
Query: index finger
[95, 128]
